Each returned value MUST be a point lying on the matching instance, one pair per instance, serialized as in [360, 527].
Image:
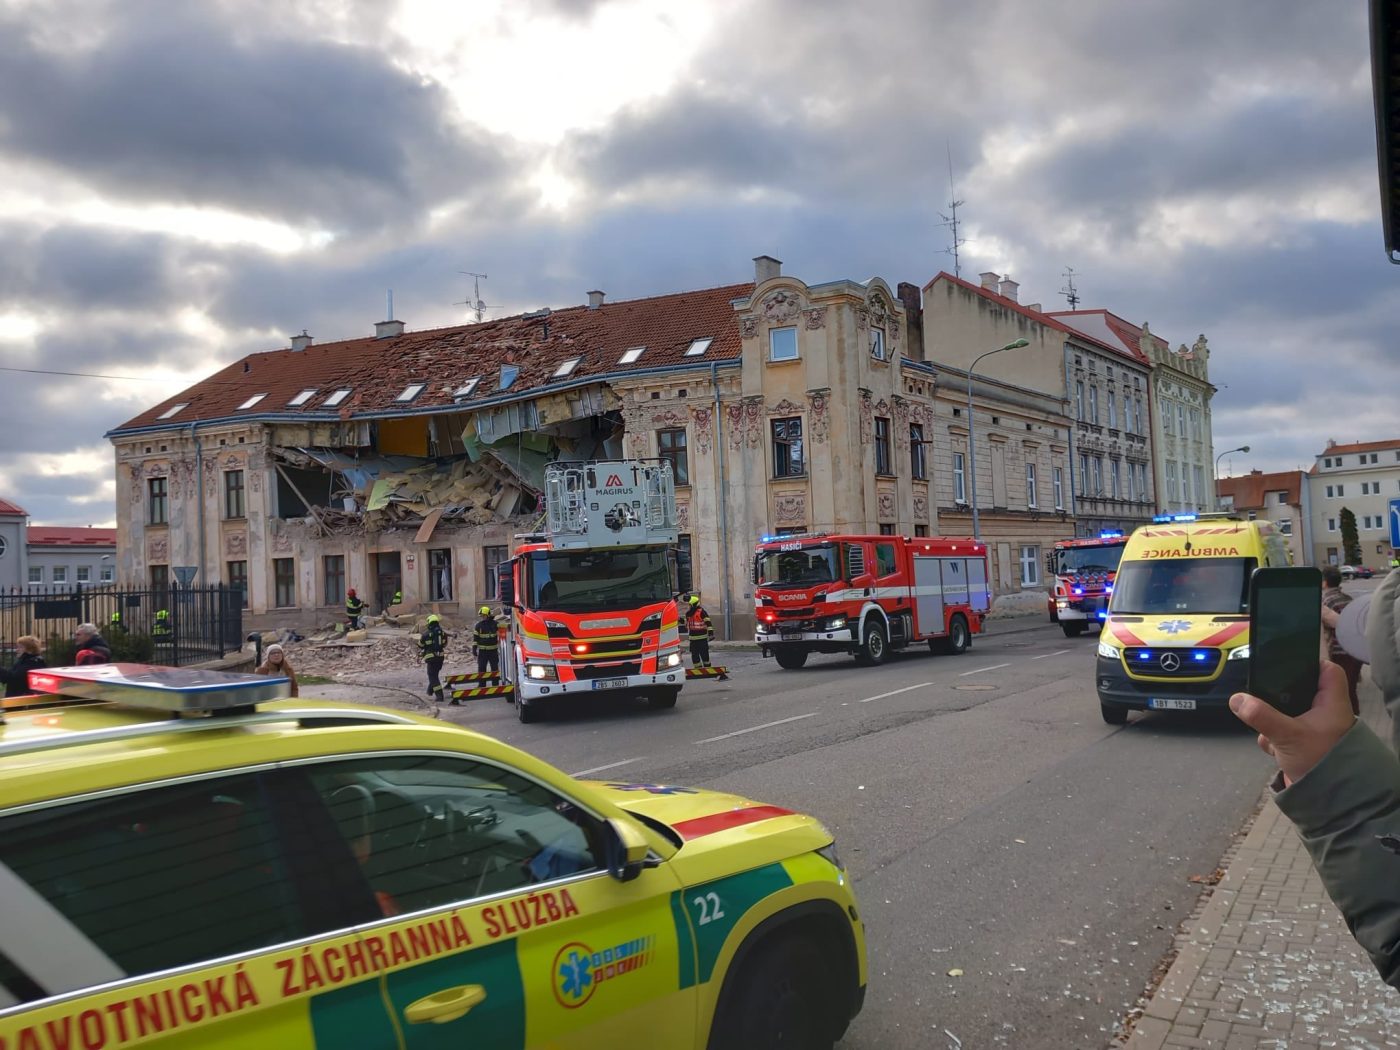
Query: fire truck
[591, 601]
[1083, 571]
[867, 595]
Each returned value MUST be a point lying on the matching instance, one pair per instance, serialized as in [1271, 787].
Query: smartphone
[1285, 636]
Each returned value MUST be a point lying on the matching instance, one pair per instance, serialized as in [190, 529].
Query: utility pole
[1070, 293]
[951, 221]
[478, 307]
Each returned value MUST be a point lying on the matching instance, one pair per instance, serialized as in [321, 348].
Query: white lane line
[896, 692]
[755, 729]
[610, 765]
[1057, 652]
[981, 669]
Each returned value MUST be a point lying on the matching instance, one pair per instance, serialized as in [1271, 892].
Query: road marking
[610, 765]
[981, 669]
[896, 692]
[1058, 652]
[755, 729]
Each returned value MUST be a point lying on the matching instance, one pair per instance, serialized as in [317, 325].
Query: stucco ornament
[1200, 349]
[281, 542]
[921, 509]
[683, 514]
[821, 415]
[704, 424]
[734, 420]
[748, 327]
[780, 307]
[236, 543]
[885, 502]
[867, 418]
[790, 508]
[816, 318]
[158, 550]
[753, 421]
[785, 408]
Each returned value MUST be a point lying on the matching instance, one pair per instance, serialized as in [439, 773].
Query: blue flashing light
[1079, 590]
[1111, 534]
[1161, 519]
[1103, 616]
[1144, 656]
[1200, 657]
[1184, 517]
[766, 539]
[1108, 588]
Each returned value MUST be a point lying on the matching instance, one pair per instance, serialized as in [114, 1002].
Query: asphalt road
[991, 822]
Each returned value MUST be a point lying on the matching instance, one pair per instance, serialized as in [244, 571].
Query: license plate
[1172, 705]
[609, 683]
[790, 630]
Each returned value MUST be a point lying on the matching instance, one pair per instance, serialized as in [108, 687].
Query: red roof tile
[71, 536]
[1127, 332]
[1249, 491]
[378, 370]
[6, 507]
[1360, 446]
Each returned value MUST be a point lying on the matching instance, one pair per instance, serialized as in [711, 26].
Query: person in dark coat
[92, 647]
[15, 679]
[432, 650]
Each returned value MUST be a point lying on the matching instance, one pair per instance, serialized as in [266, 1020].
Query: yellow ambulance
[1176, 636]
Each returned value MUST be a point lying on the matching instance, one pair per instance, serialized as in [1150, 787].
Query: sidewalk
[1268, 962]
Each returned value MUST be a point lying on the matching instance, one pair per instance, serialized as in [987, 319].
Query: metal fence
[199, 623]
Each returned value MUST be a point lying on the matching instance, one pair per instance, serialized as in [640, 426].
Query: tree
[1351, 543]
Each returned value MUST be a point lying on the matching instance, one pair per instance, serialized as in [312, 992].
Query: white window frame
[1331, 524]
[1166, 416]
[1097, 463]
[698, 347]
[1181, 419]
[773, 355]
[1030, 565]
[632, 355]
[60, 574]
[877, 344]
[302, 397]
[566, 368]
[1031, 498]
[959, 478]
[407, 394]
[1079, 400]
[1112, 411]
[174, 410]
[336, 397]
[107, 574]
[1115, 475]
[251, 401]
[1094, 405]
[465, 390]
[82, 574]
[36, 574]
[1170, 472]
[1058, 481]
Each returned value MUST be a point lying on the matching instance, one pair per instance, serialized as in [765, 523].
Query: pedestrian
[432, 647]
[1334, 598]
[354, 609]
[160, 631]
[1339, 784]
[91, 647]
[486, 642]
[276, 665]
[115, 624]
[701, 632]
[15, 678]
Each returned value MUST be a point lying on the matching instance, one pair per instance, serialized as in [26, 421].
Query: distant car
[1348, 571]
[1363, 573]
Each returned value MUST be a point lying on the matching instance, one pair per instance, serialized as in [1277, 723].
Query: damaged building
[408, 461]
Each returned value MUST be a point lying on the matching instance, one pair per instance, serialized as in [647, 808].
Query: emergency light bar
[1168, 519]
[1111, 534]
[176, 690]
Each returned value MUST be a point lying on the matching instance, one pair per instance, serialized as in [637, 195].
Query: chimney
[913, 301]
[301, 342]
[1008, 288]
[989, 280]
[387, 329]
[595, 299]
[1037, 307]
[765, 268]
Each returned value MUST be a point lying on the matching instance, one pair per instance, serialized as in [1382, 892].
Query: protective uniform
[114, 623]
[432, 647]
[397, 599]
[486, 642]
[354, 609]
[160, 630]
[701, 632]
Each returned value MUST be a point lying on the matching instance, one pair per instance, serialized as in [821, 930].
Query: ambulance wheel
[873, 647]
[663, 699]
[1073, 628]
[1113, 715]
[782, 997]
[790, 659]
[526, 711]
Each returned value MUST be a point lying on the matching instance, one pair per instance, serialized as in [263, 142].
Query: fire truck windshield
[587, 581]
[1088, 559]
[1183, 585]
[796, 568]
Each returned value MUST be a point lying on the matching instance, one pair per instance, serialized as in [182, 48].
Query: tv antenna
[951, 221]
[478, 307]
[1070, 293]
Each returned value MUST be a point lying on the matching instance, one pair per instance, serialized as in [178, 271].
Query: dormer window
[698, 347]
[567, 368]
[410, 392]
[630, 357]
[252, 401]
[302, 398]
[174, 410]
[337, 397]
[465, 390]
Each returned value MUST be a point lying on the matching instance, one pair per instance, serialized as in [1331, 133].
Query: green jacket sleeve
[1347, 811]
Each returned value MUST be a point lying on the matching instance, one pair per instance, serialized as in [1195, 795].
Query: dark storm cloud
[88, 268]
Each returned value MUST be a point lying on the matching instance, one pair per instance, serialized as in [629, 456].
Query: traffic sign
[185, 574]
[1395, 524]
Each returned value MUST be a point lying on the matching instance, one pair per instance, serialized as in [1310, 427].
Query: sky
[181, 184]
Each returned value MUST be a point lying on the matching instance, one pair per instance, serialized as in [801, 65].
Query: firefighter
[432, 646]
[160, 631]
[486, 642]
[397, 599]
[354, 609]
[701, 631]
[114, 623]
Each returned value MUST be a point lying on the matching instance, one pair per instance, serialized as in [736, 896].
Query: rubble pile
[325, 654]
[472, 493]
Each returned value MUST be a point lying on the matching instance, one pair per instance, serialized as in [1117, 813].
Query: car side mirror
[627, 850]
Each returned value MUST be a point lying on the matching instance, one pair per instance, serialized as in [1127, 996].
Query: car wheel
[663, 699]
[790, 659]
[1112, 714]
[873, 647]
[782, 997]
[1073, 629]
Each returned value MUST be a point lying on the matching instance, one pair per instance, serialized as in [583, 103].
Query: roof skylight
[174, 410]
[411, 391]
[337, 397]
[303, 397]
[631, 356]
[465, 390]
[252, 401]
[508, 375]
[567, 367]
[698, 347]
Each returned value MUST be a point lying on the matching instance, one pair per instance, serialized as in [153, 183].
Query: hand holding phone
[1285, 636]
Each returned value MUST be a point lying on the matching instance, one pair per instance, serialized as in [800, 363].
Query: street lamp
[972, 436]
[1216, 477]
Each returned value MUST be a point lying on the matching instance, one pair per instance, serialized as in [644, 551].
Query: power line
[82, 375]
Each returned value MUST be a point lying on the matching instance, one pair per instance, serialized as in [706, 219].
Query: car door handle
[444, 1006]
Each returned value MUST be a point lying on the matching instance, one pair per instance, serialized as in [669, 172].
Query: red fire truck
[591, 602]
[1083, 572]
[867, 595]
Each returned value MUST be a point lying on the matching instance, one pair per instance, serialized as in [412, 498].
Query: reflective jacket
[432, 642]
[161, 629]
[354, 606]
[698, 622]
[484, 635]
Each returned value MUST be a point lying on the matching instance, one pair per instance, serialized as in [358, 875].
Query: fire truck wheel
[662, 699]
[873, 647]
[790, 659]
[1072, 628]
[525, 710]
[959, 638]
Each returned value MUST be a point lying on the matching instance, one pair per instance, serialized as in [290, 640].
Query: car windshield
[585, 581]
[1088, 559]
[796, 568]
[1183, 585]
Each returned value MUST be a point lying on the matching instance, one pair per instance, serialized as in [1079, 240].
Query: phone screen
[1285, 633]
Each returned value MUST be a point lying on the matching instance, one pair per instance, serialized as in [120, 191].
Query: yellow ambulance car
[1176, 637]
[187, 861]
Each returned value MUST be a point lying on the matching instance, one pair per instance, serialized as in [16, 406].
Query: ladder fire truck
[1083, 571]
[591, 601]
[867, 595]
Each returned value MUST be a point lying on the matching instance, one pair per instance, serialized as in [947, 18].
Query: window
[465, 390]
[333, 579]
[959, 479]
[174, 410]
[1030, 566]
[1181, 419]
[107, 574]
[1171, 481]
[84, 573]
[1142, 481]
[1112, 411]
[1098, 475]
[1084, 485]
[883, 464]
[236, 576]
[159, 579]
[782, 344]
[787, 448]
[1330, 491]
[440, 574]
[918, 458]
[1137, 415]
[1372, 457]
[698, 347]
[252, 401]
[920, 530]
[284, 579]
[877, 343]
[885, 564]
[1331, 524]
[491, 557]
[685, 561]
[1115, 474]
[337, 397]
[60, 574]
[410, 392]
[1166, 416]
[1094, 405]
[671, 447]
[1331, 555]
[1058, 481]
[157, 503]
[886, 529]
[233, 494]
[1030, 486]
[1341, 491]
[1079, 400]
[1282, 498]
[303, 397]
[1196, 423]
[1199, 474]
[632, 356]
[1286, 526]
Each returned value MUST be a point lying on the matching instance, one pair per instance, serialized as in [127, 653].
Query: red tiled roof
[1035, 315]
[6, 507]
[1249, 491]
[378, 370]
[71, 536]
[1360, 446]
[1129, 333]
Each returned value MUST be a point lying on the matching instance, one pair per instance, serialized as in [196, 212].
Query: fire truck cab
[867, 595]
[1083, 571]
[591, 602]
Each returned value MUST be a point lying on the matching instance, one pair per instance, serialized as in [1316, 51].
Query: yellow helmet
[486, 610]
[434, 618]
[695, 599]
